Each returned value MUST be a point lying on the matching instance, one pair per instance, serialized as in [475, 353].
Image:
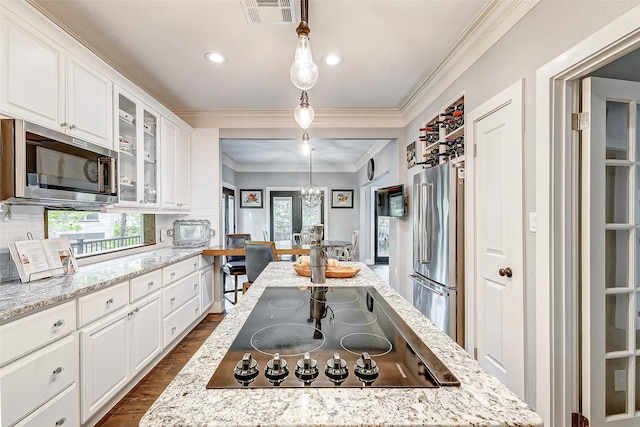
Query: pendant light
[304, 113]
[303, 71]
[311, 194]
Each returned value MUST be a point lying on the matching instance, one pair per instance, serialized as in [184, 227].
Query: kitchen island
[480, 400]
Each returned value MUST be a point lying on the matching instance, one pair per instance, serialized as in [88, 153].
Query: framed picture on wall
[342, 198]
[251, 199]
[411, 155]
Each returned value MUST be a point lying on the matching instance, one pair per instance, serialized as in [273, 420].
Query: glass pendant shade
[303, 51]
[304, 115]
[304, 77]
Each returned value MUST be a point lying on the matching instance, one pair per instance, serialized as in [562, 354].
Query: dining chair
[258, 255]
[348, 253]
[235, 265]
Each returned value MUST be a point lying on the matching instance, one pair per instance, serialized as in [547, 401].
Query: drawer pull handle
[195, 286]
[150, 284]
[110, 301]
[172, 300]
[195, 265]
[59, 323]
[58, 370]
[173, 330]
[136, 310]
[173, 274]
[61, 421]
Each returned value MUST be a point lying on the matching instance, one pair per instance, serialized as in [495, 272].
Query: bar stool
[258, 256]
[235, 265]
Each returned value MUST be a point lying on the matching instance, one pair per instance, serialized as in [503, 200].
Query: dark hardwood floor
[130, 409]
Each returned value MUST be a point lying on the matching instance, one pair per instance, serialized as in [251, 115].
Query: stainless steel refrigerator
[438, 247]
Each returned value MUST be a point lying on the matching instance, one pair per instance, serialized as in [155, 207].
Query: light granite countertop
[480, 400]
[20, 299]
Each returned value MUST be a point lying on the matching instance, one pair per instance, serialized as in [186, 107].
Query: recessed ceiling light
[332, 59]
[214, 57]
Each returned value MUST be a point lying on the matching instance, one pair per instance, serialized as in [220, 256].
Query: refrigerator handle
[425, 224]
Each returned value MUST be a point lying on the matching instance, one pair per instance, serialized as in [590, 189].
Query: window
[92, 233]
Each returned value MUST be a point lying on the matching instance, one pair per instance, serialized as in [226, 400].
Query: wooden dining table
[283, 247]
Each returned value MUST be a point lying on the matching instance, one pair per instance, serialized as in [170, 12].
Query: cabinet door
[206, 288]
[146, 335]
[104, 362]
[128, 167]
[150, 152]
[33, 86]
[89, 104]
[169, 141]
[183, 170]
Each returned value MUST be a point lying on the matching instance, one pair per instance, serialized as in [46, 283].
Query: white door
[499, 266]
[610, 272]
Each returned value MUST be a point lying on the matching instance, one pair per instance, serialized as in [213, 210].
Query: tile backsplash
[19, 221]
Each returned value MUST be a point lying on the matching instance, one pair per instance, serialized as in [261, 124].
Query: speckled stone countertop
[19, 299]
[480, 400]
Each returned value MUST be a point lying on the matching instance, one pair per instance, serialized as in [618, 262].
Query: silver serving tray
[191, 233]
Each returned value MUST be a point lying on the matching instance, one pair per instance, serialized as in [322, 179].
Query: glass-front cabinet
[138, 147]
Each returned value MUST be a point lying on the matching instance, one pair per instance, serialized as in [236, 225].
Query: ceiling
[389, 49]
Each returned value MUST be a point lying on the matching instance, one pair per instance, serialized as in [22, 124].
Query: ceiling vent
[269, 11]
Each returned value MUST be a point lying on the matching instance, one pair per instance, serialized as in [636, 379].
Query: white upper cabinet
[137, 128]
[176, 170]
[45, 84]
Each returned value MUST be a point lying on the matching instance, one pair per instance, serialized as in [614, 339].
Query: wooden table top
[283, 247]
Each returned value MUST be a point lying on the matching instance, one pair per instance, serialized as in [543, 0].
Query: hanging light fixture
[303, 72]
[311, 194]
[304, 113]
[306, 148]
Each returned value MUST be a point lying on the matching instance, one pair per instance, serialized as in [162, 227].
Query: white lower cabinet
[146, 335]
[104, 361]
[178, 293]
[37, 377]
[206, 287]
[114, 349]
[180, 319]
[61, 411]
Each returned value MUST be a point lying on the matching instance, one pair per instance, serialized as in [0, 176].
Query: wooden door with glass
[290, 215]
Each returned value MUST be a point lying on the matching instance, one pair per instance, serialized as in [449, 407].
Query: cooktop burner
[326, 337]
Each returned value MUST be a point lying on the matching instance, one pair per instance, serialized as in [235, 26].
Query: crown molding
[324, 118]
[493, 23]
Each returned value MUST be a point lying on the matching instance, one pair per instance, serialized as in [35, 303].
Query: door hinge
[475, 353]
[475, 150]
[580, 121]
[579, 420]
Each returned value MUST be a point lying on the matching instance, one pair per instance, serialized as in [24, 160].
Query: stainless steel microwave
[44, 167]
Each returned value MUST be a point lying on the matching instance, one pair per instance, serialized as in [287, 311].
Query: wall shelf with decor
[442, 136]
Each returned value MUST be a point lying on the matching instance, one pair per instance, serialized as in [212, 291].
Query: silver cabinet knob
[58, 370]
[59, 323]
[61, 421]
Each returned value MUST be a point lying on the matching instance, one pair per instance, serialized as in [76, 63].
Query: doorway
[229, 210]
[381, 235]
[289, 215]
[564, 258]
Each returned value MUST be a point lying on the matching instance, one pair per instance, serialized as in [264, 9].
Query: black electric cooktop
[326, 337]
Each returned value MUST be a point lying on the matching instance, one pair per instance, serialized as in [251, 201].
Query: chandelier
[311, 194]
[303, 71]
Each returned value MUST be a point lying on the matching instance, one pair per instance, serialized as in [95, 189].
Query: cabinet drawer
[29, 333]
[103, 302]
[60, 411]
[145, 284]
[176, 294]
[180, 269]
[34, 379]
[180, 319]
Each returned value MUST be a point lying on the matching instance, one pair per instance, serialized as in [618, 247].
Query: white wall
[548, 30]
[340, 222]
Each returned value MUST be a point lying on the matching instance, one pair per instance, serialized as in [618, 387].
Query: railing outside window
[81, 247]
